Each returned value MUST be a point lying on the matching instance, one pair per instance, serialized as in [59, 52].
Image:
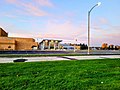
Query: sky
[62, 19]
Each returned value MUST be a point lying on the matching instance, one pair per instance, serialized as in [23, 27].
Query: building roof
[3, 33]
[51, 40]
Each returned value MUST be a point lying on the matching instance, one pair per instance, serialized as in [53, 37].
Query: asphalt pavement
[97, 52]
[56, 58]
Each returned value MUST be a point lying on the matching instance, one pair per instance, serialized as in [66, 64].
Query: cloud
[103, 21]
[44, 3]
[39, 2]
[104, 31]
[11, 1]
[10, 15]
[33, 8]
[56, 29]
[106, 38]
[68, 31]
[64, 30]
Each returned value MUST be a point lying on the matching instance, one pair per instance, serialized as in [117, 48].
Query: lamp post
[98, 4]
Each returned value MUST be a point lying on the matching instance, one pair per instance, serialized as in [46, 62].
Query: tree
[111, 47]
[104, 46]
[83, 46]
[116, 47]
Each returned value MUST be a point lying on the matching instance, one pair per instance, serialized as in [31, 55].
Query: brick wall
[11, 43]
[15, 43]
[7, 44]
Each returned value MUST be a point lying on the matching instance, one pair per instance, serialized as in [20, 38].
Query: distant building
[66, 46]
[69, 46]
[49, 44]
[16, 43]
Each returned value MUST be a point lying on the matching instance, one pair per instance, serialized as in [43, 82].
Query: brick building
[16, 43]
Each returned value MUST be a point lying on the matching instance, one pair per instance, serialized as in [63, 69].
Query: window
[9, 46]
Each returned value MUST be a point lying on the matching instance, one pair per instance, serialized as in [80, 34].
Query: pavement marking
[69, 58]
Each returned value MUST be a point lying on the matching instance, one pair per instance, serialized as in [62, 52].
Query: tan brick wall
[11, 43]
[23, 39]
[7, 47]
[6, 44]
[25, 45]
[15, 43]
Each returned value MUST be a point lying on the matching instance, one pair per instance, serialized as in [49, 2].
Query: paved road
[56, 58]
[97, 52]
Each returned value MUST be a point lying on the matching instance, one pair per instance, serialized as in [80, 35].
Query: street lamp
[98, 4]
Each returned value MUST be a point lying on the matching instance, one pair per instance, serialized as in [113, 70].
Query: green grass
[40, 55]
[61, 75]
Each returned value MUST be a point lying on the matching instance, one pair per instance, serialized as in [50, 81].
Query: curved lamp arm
[98, 4]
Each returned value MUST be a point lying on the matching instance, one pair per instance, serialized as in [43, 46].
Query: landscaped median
[99, 74]
[39, 55]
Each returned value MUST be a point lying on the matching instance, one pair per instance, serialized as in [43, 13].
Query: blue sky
[62, 19]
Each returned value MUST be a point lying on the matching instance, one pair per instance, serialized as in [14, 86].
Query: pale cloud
[103, 21]
[68, 31]
[11, 1]
[106, 38]
[40, 2]
[99, 23]
[33, 8]
[10, 15]
[103, 31]
[65, 30]
[44, 3]
[19, 35]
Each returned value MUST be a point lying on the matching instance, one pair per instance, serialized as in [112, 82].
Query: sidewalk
[57, 58]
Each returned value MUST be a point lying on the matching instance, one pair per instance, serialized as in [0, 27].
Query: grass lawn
[101, 74]
[39, 55]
